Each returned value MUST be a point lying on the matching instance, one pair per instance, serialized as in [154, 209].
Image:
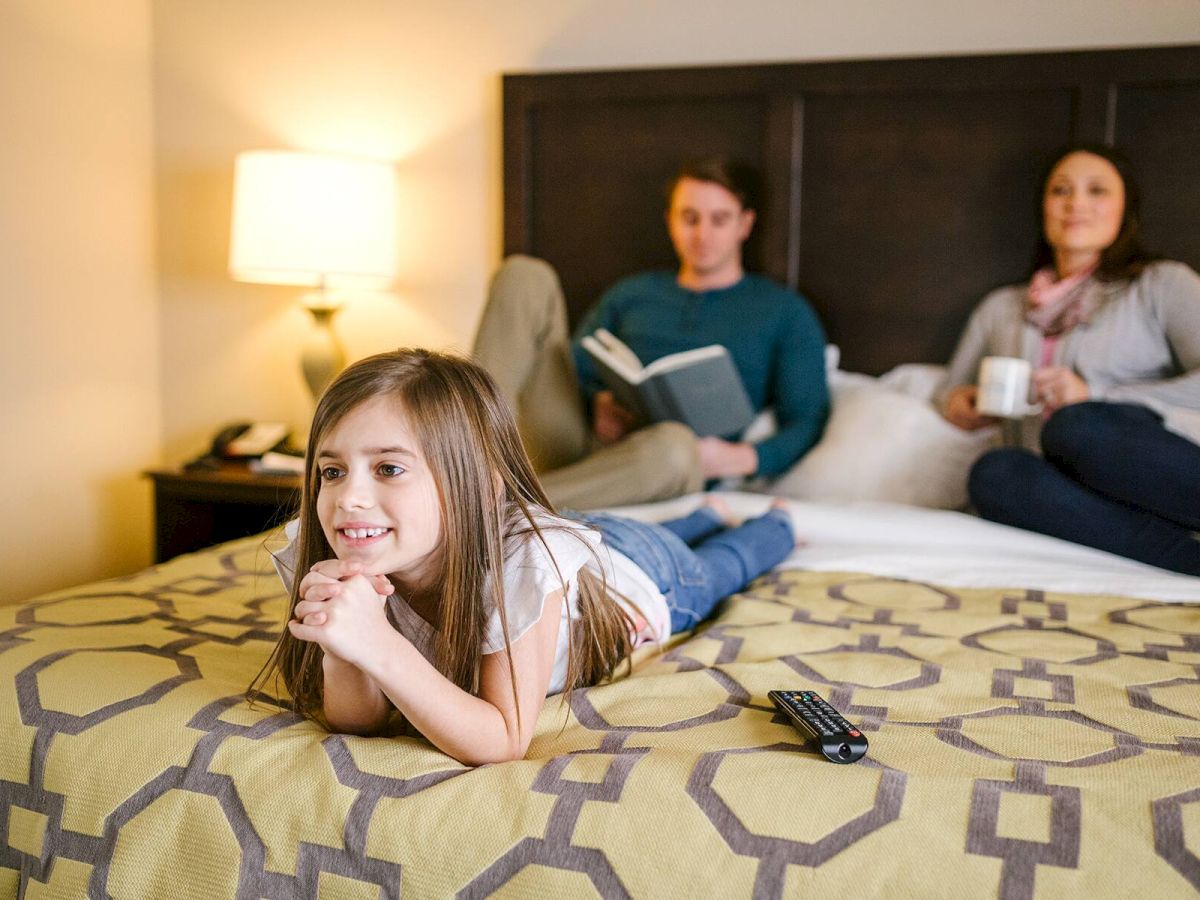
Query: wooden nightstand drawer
[197, 509]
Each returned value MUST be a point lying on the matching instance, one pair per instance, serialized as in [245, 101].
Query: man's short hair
[740, 179]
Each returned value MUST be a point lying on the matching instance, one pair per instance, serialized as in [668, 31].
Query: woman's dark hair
[741, 180]
[1126, 256]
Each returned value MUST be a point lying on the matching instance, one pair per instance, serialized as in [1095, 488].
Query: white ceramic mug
[1004, 388]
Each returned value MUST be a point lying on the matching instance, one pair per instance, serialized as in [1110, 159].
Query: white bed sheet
[946, 548]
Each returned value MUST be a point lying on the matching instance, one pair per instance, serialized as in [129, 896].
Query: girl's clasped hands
[341, 608]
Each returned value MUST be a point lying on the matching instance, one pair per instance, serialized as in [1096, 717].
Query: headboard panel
[896, 192]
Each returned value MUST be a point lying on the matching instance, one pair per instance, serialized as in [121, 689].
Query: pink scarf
[1054, 307]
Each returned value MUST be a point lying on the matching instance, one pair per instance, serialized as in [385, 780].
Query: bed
[1031, 706]
[1025, 740]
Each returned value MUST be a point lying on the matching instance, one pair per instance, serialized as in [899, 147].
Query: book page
[619, 349]
[607, 360]
[685, 358]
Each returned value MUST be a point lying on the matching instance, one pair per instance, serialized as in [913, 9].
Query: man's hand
[959, 409]
[724, 459]
[610, 420]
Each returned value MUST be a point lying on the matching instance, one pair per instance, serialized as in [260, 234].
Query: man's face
[708, 226]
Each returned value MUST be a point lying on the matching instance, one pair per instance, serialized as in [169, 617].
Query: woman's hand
[1058, 386]
[959, 409]
[610, 420]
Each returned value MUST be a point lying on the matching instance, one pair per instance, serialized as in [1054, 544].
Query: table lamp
[327, 222]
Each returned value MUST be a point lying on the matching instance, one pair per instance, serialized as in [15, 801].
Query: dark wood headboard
[896, 192]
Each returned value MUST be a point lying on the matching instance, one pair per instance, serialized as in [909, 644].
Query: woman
[1114, 339]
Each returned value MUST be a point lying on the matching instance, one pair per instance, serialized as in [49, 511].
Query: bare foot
[721, 508]
[781, 503]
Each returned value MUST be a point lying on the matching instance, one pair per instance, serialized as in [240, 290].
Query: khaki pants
[524, 343]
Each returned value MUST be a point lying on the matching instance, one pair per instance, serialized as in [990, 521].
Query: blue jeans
[1111, 477]
[696, 561]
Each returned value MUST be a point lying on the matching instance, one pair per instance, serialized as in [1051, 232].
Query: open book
[700, 388]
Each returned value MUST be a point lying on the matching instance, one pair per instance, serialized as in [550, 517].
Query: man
[773, 336]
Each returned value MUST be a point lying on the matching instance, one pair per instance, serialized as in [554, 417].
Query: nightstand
[196, 509]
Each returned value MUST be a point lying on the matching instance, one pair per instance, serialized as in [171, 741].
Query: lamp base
[322, 356]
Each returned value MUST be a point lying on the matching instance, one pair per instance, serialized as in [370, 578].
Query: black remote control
[839, 741]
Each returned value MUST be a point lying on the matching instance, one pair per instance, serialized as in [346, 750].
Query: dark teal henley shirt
[773, 335]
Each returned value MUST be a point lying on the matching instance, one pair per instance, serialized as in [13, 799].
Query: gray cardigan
[1141, 346]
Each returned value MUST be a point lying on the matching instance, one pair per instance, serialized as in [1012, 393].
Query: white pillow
[918, 380]
[884, 443]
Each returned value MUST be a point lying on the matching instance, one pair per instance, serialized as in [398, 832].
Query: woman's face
[1083, 205]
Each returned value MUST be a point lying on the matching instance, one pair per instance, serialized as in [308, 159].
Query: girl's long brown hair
[489, 495]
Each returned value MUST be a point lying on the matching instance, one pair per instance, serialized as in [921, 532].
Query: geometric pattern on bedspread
[1022, 744]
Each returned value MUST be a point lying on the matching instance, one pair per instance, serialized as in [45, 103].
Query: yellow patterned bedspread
[1021, 744]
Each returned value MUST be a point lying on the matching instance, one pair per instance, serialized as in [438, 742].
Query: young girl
[437, 579]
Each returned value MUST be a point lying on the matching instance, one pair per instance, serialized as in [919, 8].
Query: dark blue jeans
[1111, 477]
[696, 561]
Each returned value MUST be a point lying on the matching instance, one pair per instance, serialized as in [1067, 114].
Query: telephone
[242, 440]
[247, 439]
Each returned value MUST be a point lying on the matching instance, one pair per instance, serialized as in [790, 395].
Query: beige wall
[78, 339]
[413, 80]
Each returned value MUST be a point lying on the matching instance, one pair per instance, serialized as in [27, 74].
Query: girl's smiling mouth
[362, 533]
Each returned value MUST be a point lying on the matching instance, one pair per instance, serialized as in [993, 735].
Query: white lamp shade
[309, 219]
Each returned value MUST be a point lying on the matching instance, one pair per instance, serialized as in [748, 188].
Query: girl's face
[378, 503]
[1083, 204]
